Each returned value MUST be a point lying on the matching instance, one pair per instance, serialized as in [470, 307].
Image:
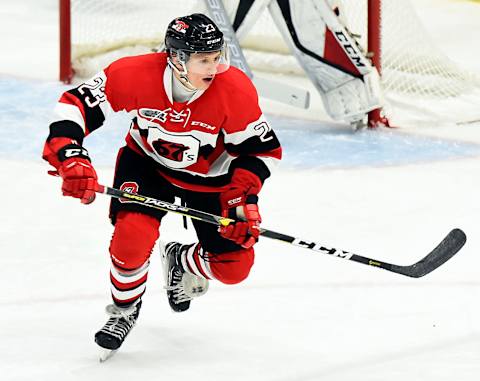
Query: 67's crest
[170, 150]
[174, 150]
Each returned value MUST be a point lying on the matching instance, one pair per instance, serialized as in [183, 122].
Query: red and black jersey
[197, 144]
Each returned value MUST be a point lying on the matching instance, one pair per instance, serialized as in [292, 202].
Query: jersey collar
[167, 84]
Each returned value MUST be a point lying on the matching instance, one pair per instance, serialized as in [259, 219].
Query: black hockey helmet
[193, 33]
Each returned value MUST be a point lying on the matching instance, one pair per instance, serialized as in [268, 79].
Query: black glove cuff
[251, 199]
[72, 150]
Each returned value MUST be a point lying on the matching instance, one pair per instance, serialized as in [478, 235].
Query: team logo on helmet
[180, 26]
[193, 33]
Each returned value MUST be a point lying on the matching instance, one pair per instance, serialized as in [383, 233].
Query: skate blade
[105, 354]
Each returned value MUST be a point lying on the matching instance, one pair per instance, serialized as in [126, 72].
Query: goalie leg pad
[330, 56]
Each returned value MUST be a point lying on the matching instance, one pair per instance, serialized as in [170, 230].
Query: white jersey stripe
[64, 111]
[259, 127]
[270, 162]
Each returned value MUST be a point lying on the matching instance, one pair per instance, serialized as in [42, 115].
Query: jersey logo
[174, 150]
[169, 150]
[203, 125]
[167, 115]
[154, 115]
[182, 116]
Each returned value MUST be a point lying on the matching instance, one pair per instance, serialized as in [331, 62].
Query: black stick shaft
[449, 246]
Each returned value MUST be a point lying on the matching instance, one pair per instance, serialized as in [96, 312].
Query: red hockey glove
[79, 179]
[74, 167]
[240, 203]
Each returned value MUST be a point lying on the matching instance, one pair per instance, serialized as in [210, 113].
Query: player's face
[202, 68]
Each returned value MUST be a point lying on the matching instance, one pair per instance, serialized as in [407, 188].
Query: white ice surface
[390, 195]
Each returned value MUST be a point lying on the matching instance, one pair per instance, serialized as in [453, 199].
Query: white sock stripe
[125, 295]
[129, 276]
[205, 265]
[183, 259]
[191, 261]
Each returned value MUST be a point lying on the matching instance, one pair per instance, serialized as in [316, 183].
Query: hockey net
[416, 75]
[104, 30]
[420, 82]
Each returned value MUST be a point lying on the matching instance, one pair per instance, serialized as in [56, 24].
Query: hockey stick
[445, 250]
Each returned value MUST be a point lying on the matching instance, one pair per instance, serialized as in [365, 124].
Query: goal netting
[419, 81]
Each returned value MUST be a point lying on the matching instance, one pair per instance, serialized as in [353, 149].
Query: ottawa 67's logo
[174, 150]
[130, 187]
[170, 150]
[180, 26]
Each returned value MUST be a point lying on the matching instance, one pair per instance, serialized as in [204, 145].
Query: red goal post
[66, 71]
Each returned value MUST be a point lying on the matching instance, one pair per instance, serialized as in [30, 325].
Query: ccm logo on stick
[318, 247]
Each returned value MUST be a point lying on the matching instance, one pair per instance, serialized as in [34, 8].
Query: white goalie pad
[224, 14]
[352, 100]
[245, 17]
[346, 80]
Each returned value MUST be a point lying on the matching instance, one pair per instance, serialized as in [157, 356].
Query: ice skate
[118, 326]
[181, 286]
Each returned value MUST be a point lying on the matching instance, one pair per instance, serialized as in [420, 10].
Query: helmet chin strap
[182, 74]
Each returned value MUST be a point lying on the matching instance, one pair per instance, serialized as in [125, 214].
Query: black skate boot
[118, 326]
[181, 286]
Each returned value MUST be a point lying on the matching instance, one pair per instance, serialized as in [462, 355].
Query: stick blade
[445, 250]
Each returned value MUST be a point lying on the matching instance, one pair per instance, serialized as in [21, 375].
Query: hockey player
[197, 133]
